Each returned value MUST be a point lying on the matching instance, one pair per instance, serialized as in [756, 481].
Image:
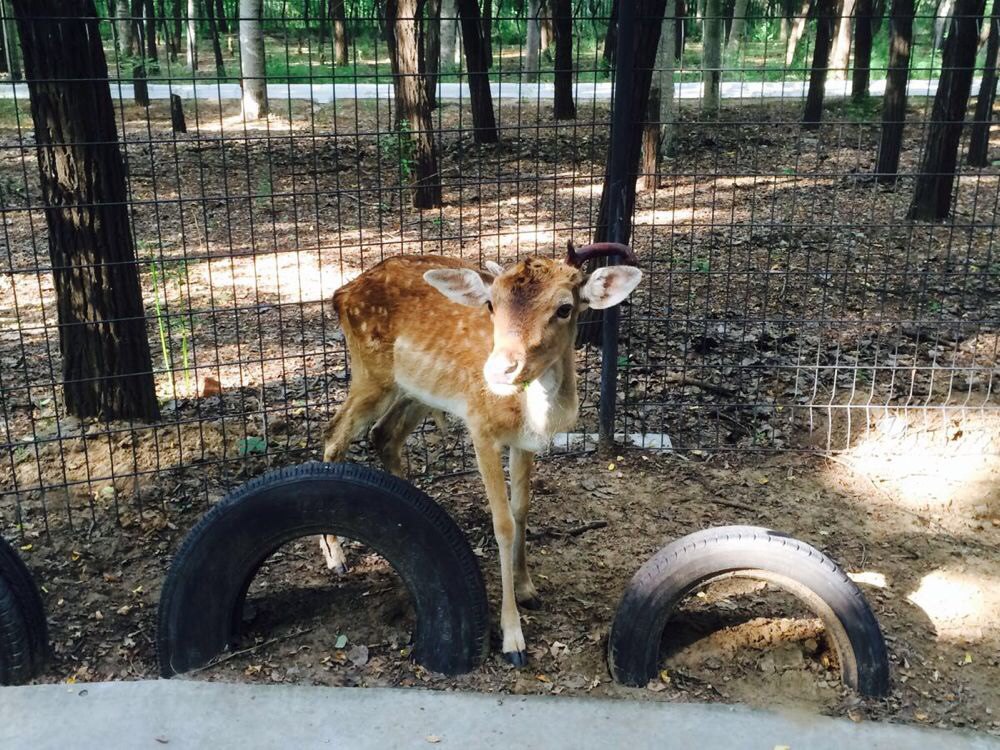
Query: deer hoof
[339, 569]
[531, 602]
[517, 658]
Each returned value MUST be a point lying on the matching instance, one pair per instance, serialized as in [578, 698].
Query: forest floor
[788, 304]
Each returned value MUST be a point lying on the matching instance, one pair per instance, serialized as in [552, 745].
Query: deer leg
[521, 462]
[389, 434]
[362, 406]
[491, 468]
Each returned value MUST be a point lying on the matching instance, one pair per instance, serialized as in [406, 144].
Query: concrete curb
[188, 714]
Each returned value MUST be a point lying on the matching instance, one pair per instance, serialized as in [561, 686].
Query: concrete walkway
[325, 93]
[187, 714]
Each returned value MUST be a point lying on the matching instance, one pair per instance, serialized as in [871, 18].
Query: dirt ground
[929, 574]
[788, 306]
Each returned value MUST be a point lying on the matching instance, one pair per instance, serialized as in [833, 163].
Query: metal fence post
[622, 131]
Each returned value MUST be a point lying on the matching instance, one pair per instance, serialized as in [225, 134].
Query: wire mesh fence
[792, 300]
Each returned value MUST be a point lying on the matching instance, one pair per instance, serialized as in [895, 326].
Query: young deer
[494, 348]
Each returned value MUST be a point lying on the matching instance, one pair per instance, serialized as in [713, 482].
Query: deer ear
[494, 268]
[608, 286]
[461, 285]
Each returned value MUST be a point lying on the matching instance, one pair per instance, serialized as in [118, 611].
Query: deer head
[534, 306]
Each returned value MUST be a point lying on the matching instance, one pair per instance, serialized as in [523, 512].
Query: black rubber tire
[24, 641]
[202, 599]
[747, 551]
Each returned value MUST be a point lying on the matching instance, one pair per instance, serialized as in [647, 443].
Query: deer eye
[564, 311]
[489, 306]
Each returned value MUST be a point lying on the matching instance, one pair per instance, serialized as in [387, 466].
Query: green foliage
[251, 445]
[165, 275]
[400, 149]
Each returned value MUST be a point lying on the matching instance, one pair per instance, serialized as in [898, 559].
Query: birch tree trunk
[449, 33]
[840, 55]
[532, 59]
[738, 27]
[123, 22]
[192, 35]
[252, 66]
[797, 30]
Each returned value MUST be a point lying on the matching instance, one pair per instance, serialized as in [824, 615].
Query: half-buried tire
[24, 641]
[202, 600]
[707, 556]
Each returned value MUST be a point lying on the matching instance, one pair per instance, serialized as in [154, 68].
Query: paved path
[186, 714]
[324, 93]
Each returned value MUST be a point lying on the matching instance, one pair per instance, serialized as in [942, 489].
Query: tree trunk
[213, 32]
[149, 12]
[564, 107]
[177, 122]
[546, 32]
[894, 99]
[825, 18]
[787, 14]
[658, 132]
[12, 53]
[138, 29]
[647, 39]
[449, 33]
[192, 35]
[413, 113]
[840, 54]
[798, 29]
[220, 16]
[3, 39]
[178, 26]
[321, 24]
[339, 15]
[123, 23]
[487, 21]
[431, 47]
[140, 88]
[106, 365]
[932, 195]
[738, 27]
[712, 57]
[864, 32]
[680, 30]
[611, 37]
[941, 18]
[979, 138]
[252, 66]
[483, 120]
[532, 62]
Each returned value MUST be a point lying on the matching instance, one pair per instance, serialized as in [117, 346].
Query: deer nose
[503, 367]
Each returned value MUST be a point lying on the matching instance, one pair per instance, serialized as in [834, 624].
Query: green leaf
[341, 641]
[252, 445]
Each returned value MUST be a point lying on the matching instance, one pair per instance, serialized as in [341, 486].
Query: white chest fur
[548, 408]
